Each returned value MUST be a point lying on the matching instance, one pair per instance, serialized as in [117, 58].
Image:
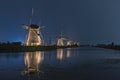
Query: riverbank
[109, 47]
[22, 48]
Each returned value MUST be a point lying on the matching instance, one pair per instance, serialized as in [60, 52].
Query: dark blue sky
[86, 21]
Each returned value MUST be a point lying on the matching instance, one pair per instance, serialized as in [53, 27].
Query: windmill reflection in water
[33, 60]
[61, 53]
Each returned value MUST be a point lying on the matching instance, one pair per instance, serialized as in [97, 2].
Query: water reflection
[33, 61]
[68, 53]
[77, 63]
[59, 54]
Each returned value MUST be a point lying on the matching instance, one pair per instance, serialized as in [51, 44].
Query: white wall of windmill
[33, 38]
[60, 42]
[69, 43]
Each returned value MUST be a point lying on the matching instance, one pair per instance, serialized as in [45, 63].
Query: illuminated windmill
[69, 42]
[34, 36]
[60, 41]
[63, 41]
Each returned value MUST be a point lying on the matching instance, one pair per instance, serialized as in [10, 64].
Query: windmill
[69, 42]
[34, 36]
[60, 41]
[64, 41]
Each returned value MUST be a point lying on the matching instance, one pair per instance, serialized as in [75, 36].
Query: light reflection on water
[65, 53]
[62, 64]
[59, 54]
[33, 60]
[68, 53]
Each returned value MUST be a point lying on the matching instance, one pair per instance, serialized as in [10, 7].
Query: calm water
[84, 63]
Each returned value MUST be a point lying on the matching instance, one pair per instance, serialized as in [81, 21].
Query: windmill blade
[42, 37]
[32, 11]
[42, 27]
[32, 14]
[25, 26]
[36, 33]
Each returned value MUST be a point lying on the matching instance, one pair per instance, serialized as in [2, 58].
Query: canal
[83, 63]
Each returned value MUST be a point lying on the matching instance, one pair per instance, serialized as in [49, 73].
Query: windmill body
[33, 37]
[69, 43]
[60, 42]
[63, 41]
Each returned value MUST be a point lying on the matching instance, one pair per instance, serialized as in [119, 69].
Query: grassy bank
[21, 48]
[109, 47]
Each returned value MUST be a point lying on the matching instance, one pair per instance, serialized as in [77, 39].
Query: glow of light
[69, 43]
[33, 60]
[60, 54]
[68, 53]
[32, 35]
[60, 42]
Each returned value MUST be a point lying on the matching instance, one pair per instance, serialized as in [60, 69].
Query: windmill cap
[34, 26]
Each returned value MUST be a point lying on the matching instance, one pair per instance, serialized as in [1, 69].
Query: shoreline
[109, 47]
[22, 48]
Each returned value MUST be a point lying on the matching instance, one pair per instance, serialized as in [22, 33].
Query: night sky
[86, 21]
